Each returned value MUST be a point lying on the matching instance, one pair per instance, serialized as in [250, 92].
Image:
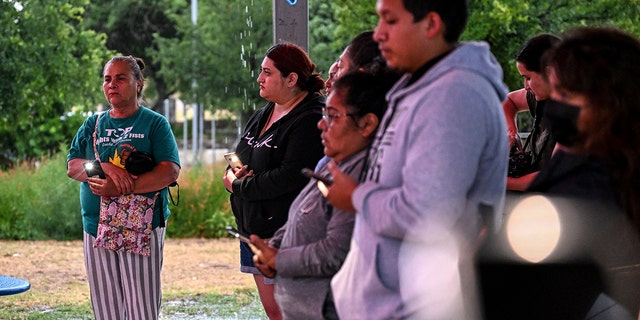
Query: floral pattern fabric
[125, 223]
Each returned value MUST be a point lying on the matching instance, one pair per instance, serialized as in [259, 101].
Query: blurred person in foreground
[279, 140]
[579, 254]
[124, 213]
[594, 114]
[311, 247]
[438, 162]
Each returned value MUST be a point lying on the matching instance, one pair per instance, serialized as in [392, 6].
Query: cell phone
[310, 174]
[233, 160]
[93, 168]
[238, 235]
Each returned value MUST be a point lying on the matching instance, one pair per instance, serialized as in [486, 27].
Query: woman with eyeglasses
[279, 140]
[304, 255]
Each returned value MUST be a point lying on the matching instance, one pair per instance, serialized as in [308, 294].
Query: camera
[139, 162]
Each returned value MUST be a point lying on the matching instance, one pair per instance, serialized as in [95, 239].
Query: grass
[39, 202]
[242, 304]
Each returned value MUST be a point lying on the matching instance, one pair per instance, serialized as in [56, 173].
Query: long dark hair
[603, 64]
[533, 50]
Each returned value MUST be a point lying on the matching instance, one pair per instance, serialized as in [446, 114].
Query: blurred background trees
[52, 52]
[49, 66]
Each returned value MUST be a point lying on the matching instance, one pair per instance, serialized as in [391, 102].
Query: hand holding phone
[238, 235]
[233, 161]
[310, 174]
[93, 168]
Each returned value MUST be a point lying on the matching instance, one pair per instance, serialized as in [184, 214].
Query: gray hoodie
[439, 157]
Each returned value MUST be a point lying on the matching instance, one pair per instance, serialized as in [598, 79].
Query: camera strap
[174, 184]
[95, 134]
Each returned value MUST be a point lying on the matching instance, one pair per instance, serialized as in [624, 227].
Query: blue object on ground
[11, 285]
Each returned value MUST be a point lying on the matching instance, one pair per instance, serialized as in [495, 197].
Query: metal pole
[291, 22]
[185, 129]
[194, 133]
[213, 138]
[196, 108]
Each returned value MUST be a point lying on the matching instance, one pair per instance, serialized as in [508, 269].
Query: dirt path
[56, 268]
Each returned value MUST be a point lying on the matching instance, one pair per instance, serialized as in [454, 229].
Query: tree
[133, 28]
[353, 17]
[507, 24]
[322, 30]
[216, 62]
[49, 65]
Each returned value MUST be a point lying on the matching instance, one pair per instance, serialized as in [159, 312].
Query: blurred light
[323, 188]
[533, 228]
[88, 165]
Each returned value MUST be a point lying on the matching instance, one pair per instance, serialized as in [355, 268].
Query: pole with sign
[291, 22]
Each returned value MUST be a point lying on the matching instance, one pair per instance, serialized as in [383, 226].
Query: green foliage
[132, 27]
[352, 17]
[507, 24]
[322, 29]
[48, 65]
[40, 202]
[52, 52]
[216, 62]
[203, 211]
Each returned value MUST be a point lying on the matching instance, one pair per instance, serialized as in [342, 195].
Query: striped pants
[125, 285]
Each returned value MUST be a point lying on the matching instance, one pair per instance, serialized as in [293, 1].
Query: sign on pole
[291, 22]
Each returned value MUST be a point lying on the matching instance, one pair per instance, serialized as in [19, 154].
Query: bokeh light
[533, 228]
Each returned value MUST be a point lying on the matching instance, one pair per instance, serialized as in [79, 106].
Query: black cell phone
[93, 168]
[310, 174]
[238, 235]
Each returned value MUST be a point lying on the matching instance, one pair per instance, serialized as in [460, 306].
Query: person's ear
[368, 125]
[292, 79]
[433, 24]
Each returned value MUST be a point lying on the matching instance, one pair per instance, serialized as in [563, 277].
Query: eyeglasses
[330, 117]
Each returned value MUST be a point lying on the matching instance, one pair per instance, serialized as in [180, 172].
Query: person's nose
[378, 33]
[527, 86]
[322, 125]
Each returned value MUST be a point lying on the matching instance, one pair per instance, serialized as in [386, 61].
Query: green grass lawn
[243, 304]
